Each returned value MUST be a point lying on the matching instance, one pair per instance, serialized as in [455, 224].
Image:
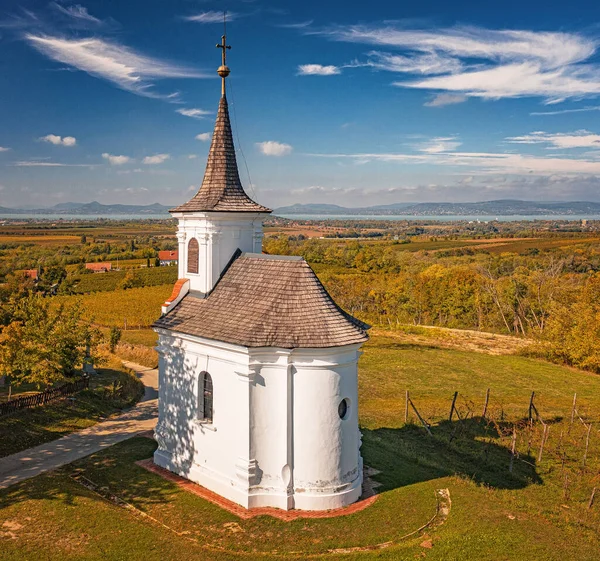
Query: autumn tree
[43, 343]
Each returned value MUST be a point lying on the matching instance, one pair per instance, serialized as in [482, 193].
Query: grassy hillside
[539, 511]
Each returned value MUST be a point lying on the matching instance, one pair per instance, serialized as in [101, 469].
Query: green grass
[31, 427]
[539, 511]
[389, 367]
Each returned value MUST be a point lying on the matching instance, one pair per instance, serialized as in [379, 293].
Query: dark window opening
[207, 398]
[343, 408]
[193, 256]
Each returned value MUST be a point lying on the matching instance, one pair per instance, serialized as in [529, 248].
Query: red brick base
[244, 513]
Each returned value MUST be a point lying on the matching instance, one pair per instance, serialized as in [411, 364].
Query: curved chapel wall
[327, 461]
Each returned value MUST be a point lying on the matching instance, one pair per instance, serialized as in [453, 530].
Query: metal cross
[223, 45]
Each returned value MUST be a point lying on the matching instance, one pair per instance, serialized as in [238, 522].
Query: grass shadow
[469, 448]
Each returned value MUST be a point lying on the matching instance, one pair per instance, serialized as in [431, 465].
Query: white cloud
[77, 12]
[203, 136]
[59, 140]
[211, 17]
[317, 70]
[192, 156]
[116, 160]
[156, 159]
[116, 63]
[194, 113]
[484, 162]
[299, 25]
[577, 139]
[4, 149]
[48, 164]
[445, 99]
[484, 63]
[273, 148]
[439, 145]
[563, 111]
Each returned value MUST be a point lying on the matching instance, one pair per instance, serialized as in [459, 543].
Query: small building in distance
[31, 274]
[99, 267]
[168, 257]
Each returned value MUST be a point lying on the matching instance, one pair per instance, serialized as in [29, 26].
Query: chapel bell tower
[221, 217]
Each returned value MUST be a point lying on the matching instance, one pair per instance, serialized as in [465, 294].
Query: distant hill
[505, 207]
[94, 207]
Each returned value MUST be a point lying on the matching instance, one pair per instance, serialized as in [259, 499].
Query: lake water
[391, 217]
[444, 218]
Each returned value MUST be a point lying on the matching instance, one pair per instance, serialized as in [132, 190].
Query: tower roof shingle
[221, 189]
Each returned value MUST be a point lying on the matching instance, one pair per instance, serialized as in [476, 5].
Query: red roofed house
[258, 366]
[99, 267]
[31, 274]
[168, 257]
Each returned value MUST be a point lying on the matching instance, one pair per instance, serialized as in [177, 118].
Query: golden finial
[223, 70]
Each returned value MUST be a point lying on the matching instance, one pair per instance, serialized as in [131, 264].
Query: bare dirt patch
[462, 339]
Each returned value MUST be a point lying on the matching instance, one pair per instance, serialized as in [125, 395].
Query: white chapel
[258, 397]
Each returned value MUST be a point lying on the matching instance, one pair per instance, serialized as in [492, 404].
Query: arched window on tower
[205, 397]
[193, 256]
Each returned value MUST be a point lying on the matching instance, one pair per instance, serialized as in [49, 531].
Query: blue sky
[351, 103]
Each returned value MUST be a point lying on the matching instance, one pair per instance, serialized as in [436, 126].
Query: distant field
[105, 282]
[133, 308]
[51, 239]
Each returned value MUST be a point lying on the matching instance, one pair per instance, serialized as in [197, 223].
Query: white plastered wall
[219, 234]
[276, 437]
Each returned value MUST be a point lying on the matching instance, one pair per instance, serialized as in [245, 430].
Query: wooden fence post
[420, 418]
[512, 449]
[453, 404]
[530, 416]
[544, 437]
[573, 410]
[485, 405]
[591, 501]
[406, 408]
[587, 444]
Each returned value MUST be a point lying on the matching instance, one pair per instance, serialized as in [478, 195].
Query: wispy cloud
[156, 159]
[203, 136]
[4, 149]
[483, 63]
[194, 113]
[274, 148]
[577, 139]
[77, 12]
[59, 140]
[564, 111]
[484, 162]
[299, 25]
[116, 160]
[317, 70]
[440, 100]
[439, 145]
[211, 17]
[124, 67]
[48, 164]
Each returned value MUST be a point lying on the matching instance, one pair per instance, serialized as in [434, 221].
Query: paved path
[49, 456]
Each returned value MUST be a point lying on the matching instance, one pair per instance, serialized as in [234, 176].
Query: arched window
[193, 256]
[205, 397]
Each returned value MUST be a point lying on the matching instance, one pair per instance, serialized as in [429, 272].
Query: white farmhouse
[258, 393]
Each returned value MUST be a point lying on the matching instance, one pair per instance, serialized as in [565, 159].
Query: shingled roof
[267, 301]
[221, 189]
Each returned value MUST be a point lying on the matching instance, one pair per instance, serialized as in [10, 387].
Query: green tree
[44, 344]
[114, 337]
